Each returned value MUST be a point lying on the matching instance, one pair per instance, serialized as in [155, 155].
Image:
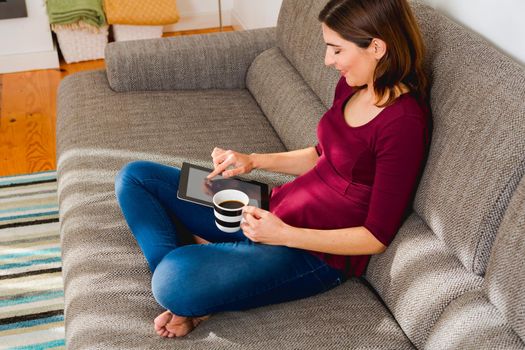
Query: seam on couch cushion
[489, 226]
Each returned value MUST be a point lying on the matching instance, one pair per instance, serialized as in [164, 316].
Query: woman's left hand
[263, 227]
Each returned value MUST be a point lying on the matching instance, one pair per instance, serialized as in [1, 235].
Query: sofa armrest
[206, 61]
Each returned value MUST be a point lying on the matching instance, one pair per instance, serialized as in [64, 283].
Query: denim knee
[174, 284]
[128, 171]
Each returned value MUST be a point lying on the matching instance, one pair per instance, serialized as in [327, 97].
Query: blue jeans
[230, 273]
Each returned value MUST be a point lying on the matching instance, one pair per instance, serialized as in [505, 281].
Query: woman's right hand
[222, 159]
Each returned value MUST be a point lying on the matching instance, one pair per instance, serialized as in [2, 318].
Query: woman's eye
[336, 52]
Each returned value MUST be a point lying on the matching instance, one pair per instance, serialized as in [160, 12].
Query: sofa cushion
[94, 117]
[115, 309]
[99, 131]
[300, 38]
[495, 312]
[472, 322]
[477, 154]
[417, 277]
[290, 105]
[505, 279]
[108, 299]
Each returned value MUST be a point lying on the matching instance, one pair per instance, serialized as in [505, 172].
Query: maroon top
[365, 175]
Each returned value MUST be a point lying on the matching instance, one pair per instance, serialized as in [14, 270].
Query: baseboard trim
[29, 61]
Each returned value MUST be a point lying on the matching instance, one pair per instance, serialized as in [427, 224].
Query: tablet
[194, 187]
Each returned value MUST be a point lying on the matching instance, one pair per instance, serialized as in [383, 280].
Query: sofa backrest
[476, 160]
[505, 279]
[478, 146]
[300, 38]
[290, 82]
[491, 317]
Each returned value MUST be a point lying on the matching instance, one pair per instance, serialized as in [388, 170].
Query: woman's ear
[377, 48]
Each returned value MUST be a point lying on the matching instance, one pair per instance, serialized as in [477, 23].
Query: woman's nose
[328, 59]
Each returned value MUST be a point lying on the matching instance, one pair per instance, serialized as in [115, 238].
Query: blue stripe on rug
[33, 207]
[31, 299]
[30, 263]
[30, 219]
[47, 345]
[32, 323]
[33, 252]
[29, 215]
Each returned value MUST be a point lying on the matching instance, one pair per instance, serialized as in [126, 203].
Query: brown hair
[392, 21]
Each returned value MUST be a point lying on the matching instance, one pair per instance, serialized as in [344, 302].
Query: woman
[347, 203]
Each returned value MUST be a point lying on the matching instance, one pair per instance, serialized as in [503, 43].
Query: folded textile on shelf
[77, 14]
[140, 12]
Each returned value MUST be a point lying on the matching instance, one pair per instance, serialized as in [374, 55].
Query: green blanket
[72, 11]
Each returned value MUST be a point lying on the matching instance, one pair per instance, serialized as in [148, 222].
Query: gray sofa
[454, 276]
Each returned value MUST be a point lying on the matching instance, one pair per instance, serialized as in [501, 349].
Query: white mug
[227, 207]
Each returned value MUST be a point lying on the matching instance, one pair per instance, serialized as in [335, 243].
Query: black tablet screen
[200, 188]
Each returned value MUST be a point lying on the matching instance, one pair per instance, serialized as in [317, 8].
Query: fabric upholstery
[474, 164]
[493, 313]
[476, 158]
[472, 322]
[505, 278]
[106, 276]
[160, 123]
[208, 61]
[417, 277]
[232, 116]
[286, 100]
[442, 283]
[300, 38]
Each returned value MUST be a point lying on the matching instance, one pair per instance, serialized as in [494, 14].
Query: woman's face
[356, 64]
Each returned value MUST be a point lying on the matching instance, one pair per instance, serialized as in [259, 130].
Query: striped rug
[31, 287]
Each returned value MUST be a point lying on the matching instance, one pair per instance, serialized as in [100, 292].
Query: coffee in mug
[231, 204]
[227, 208]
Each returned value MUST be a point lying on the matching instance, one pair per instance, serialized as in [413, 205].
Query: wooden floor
[28, 114]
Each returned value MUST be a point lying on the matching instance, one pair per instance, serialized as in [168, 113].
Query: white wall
[251, 14]
[499, 21]
[198, 14]
[26, 43]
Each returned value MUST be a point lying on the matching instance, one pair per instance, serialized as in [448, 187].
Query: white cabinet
[26, 43]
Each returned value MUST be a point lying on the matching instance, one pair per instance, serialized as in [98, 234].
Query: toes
[163, 318]
[180, 330]
[178, 326]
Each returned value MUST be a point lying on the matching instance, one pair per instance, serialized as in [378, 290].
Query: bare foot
[160, 324]
[171, 325]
